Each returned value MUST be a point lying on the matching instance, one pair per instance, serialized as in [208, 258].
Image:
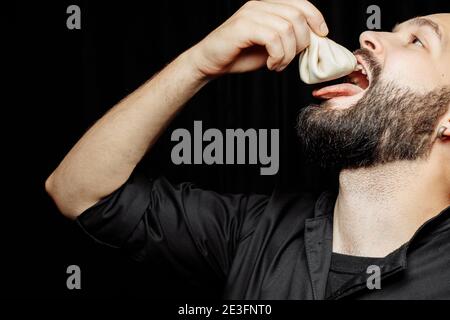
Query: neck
[378, 209]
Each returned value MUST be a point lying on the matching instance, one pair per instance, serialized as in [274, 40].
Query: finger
[286, 32]
[260, 34]
[249, 59]
[313, 16]
[297, 20]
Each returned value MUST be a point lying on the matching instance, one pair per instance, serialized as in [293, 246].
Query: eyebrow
[423, 22]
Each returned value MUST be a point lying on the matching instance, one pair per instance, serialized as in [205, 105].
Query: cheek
[446, 163]
[411, 69]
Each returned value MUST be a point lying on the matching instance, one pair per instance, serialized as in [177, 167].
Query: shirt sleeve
[194, 230]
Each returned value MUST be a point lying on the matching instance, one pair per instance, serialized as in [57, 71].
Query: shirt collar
[318, 244]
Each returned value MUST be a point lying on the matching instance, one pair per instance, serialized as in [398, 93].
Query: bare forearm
[106, 155]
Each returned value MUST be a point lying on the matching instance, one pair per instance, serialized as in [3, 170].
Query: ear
[443, 132]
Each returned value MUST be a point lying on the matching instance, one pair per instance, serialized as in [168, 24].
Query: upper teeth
[359, 67]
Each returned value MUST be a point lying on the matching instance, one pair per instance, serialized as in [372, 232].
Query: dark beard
[387, 124]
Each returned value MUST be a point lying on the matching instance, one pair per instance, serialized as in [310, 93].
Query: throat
[379, 209]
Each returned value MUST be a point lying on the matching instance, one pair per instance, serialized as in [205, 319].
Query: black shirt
[343, 268]
[257, 246]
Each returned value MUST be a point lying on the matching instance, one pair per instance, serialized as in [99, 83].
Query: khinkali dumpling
[325, 60]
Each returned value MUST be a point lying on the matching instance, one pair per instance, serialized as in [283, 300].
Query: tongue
[338, 90]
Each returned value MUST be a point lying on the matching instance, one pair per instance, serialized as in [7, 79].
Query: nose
[370, 40]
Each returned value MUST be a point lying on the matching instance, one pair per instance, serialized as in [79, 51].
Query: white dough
[325, 60]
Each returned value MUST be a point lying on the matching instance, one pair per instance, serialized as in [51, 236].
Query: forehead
[443, 19]
[418, 21]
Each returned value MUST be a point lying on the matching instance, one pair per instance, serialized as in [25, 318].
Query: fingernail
[324, 28]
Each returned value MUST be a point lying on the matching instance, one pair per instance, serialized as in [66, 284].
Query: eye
[416, 41]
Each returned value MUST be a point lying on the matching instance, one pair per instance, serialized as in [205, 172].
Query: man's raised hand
[269, 32]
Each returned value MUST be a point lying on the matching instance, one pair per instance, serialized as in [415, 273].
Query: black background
[60, 81]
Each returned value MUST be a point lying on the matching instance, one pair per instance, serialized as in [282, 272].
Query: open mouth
[346, 94]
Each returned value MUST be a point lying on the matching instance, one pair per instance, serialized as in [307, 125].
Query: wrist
[190, 59]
